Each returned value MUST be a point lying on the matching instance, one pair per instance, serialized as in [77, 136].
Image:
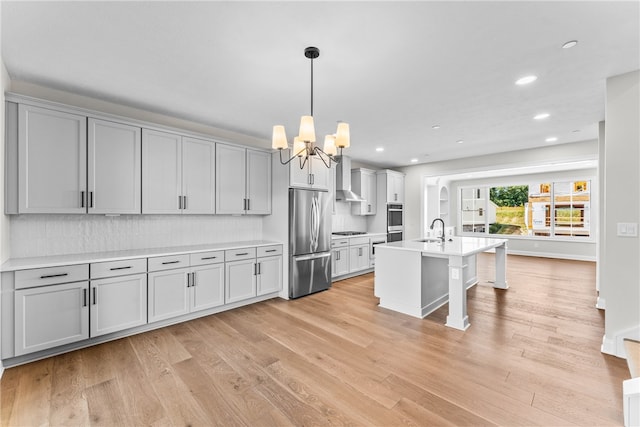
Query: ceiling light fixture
[435, 127]
[304, 144]
[541, 116]
[570, 44]
[379, 149]
[551, 139]
[526, 80]
[414, 160]
[459, 141]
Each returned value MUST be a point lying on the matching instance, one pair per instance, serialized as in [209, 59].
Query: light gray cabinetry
[243, 179]
[51, 307]
[390, 186]
[269, 270]
[339, 257]
[240, 274]
[314, 174]
[118, 303]
[177, 174]
[363, 183]
[175, 289]
[52, 150]
[113, 168]
[358, 257]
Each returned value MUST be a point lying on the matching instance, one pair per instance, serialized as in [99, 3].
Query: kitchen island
[416, 277]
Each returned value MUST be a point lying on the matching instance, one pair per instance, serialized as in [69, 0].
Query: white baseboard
[601, 303]
[573, 257]
[614, 345]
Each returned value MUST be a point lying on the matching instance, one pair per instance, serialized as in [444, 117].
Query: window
[541, 209]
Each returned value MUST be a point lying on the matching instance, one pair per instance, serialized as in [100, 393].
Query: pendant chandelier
[304, 145]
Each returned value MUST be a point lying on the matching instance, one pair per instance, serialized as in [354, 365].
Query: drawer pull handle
[170, 262]
[243, 253]
[49, 276]
[119, 268]
[208, 257]
[270, 250]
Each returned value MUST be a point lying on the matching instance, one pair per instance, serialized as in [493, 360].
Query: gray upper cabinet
[178, 174]
[315, 174]
[52, 150]
[243, 181]
[114, 172]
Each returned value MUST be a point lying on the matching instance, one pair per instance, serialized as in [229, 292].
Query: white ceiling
[390, 69]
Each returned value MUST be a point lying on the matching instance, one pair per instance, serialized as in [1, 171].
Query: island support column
[457, 317]
[501, 267]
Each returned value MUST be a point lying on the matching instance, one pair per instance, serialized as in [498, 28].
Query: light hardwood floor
[531, 357]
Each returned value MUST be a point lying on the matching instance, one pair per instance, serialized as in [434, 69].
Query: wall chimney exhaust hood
[343, 181]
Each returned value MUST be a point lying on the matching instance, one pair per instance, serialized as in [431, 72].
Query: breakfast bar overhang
[416, 277]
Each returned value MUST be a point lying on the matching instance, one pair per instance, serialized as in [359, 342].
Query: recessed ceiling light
[526, 80]
[541, 116]
[576, 131]
[414, 160]
[379, 149]
[551, 139]
[435, 127]
[459, 141]
[570, 44]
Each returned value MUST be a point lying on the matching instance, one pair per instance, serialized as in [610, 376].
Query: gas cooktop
[349, 233]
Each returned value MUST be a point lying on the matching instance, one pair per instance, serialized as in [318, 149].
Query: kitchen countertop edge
[473, 245]
[15, 264]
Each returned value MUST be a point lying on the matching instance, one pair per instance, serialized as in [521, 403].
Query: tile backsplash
[44, 235]
[342, 220]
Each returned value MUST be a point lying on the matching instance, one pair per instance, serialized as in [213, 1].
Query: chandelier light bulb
[299, 147]
[342, 135]
[307, 130]
[279, 139]
[330, 145]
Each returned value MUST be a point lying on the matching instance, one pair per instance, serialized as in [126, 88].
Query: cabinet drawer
[203, 258]
[118, 268]
[168, 262]
[239, 254]
[339, 243]
[269, 250]
[354, 241]
[51, 275]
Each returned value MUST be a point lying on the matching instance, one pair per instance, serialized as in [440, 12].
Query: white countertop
[460, 246]
[14, 264]
[336, 236]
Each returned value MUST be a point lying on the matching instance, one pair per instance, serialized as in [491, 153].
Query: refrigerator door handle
[310, 257]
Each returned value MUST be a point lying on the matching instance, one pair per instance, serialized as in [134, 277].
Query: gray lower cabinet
[340, 261]
[168, 294]
[49, 316]
[207, 287]
[269, 277]
[241, 280]
[358, 257]
[118, 303]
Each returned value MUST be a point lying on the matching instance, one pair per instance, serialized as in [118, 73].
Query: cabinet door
[299, 178]
[230, 179]
[395, 188]
[240, 281]
[168, 294]
[118, 303]
[319, 174]
[269, 275]
[314, 174]
[207, 287]
[358, 258]
[161, 172]
[114, 170]
[258, 182]
[52, 153]
[372, 189]
[198, 176]
[340, 262]
[50, 316]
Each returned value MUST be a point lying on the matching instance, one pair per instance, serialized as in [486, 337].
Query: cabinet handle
[184, 202]
[170, 262]
[179, 202]
[313, 179]
[243, 253]
[90, 199]
[270, 250]
[84, 297]
[188, 280]
[255, 269]
[95, 296]
[119, 268]
[193, 278]
[208, 257]
[338, 256]
[259, 268]
[82, 199]
[49, 276]
[248, 204]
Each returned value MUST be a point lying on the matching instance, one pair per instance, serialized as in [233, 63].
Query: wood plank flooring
[531, 357]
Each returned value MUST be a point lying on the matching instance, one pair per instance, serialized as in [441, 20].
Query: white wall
[342, 220]
[5, 84]
[541, 246]
[539, 156]
[620, 269]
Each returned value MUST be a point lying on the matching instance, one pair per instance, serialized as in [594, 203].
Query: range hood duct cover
[343, 181]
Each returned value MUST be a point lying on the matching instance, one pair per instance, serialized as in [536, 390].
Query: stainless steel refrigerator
[310, 242]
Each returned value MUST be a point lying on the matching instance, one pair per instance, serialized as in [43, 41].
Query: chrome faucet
[442, 221]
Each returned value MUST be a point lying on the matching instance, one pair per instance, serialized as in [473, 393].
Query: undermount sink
[430, 240]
